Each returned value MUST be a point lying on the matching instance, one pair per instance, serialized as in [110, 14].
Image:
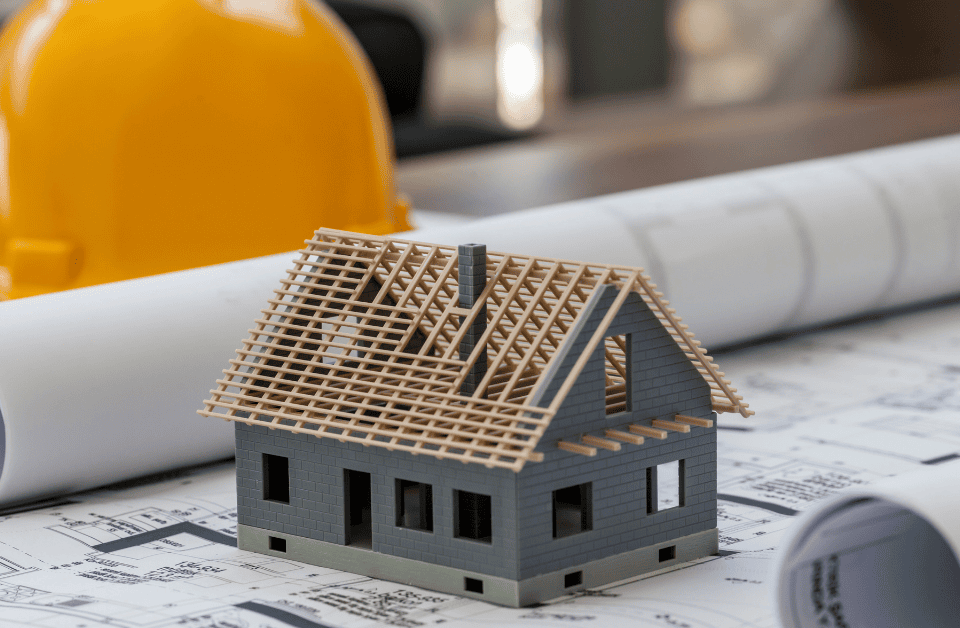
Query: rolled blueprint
[745, 255]
[885, 556]
[102, 383]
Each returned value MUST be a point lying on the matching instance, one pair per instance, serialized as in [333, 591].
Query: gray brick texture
[662, 383]
[316, 508]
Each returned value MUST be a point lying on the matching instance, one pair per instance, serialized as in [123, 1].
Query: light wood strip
[577, 448]
[670, 425]
[424, 405]
[645, 430]
[692, 420]
[412, 399]
[603, 443]
[514, 464]
[545, 329]
[493, 323]
[385, 427]
[633, 439]
[448, 267]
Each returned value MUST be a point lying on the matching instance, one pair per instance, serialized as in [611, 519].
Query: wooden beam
[692, 420]
[728, 407]
[670, 425]
[595, 340]
[633, 439]
[577, 448]
[596, 441]
[647, 431]
[324, 361]
[545, 330]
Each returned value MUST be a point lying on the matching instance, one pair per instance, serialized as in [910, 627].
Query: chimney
[473, 279]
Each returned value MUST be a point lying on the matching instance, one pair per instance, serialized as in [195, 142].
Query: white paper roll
[884, 556]
[753, 253]
[101, 384]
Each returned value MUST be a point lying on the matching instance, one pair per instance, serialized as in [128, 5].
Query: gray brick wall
[316, 498]
[619, 487]
[664, 383]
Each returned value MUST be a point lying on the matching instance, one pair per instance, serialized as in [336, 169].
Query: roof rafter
[360, 343]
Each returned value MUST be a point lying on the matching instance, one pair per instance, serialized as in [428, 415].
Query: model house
[497, 426]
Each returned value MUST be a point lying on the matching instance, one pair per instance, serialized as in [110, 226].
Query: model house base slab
[481, 586]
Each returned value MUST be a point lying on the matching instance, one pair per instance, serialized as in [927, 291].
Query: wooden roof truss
[361, 343]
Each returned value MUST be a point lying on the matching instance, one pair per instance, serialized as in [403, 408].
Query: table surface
[626, 146]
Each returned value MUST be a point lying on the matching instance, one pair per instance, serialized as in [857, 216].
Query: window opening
[414, 505]
[472, 516]
[276, 478]
[665, 486]
[617, 368]
[277, 544]
[572, 510]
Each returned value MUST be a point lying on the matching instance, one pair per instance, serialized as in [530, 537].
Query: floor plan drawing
[835, 408]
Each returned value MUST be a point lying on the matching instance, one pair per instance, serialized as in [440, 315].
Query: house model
[497, 426]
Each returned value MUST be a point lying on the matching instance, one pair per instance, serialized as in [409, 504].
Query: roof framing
[360, 344]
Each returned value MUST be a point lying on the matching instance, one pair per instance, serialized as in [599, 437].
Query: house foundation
[496, 590]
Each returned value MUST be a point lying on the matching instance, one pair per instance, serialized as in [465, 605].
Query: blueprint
[836, 408]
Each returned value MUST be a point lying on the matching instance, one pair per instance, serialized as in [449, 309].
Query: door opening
[356, 493]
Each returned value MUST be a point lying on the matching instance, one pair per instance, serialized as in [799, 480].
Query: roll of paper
[101, 384]
[754, 253]
[885, 556]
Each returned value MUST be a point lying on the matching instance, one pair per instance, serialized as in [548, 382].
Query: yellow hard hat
[145, 136]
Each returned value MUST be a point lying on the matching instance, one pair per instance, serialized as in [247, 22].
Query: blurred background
[520, 65]
[460, 73]
[575, 98]
[484, 70]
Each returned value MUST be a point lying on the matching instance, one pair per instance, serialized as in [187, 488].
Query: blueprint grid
[835, 408]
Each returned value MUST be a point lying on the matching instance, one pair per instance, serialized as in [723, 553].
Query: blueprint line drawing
[838, 408]
[746, 501]
[163, 533]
